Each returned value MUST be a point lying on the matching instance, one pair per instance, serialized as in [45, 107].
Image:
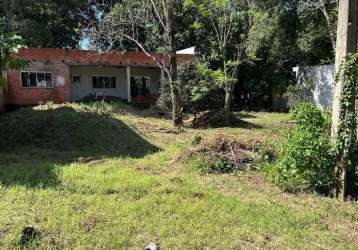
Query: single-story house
[62, 75]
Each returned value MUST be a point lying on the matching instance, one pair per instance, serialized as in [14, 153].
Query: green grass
[94, 179]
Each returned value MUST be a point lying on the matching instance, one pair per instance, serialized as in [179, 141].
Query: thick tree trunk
[228, 98]
[346, 43]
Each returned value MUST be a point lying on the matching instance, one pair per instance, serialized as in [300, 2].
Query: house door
[75, 88]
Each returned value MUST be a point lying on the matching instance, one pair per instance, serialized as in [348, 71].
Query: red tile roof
[85, 57]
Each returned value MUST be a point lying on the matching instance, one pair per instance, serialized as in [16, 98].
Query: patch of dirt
[199, 195]
[89, 223]
[4, 230]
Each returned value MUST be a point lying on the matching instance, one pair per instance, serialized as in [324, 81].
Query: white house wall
[316, 84]
[84, 88]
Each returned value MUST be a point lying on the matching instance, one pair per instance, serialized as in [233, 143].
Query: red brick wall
[84, 57]
[32, 96]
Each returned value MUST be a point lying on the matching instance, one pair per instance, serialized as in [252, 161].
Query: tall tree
[150, 26]
[223, 17]
[327, 8]
[45, 23]
[239, 29]
[344, 109]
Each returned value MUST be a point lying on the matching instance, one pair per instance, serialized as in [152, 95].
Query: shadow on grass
[240, 123]
[244, 115]
[141, 110]
[33, 143]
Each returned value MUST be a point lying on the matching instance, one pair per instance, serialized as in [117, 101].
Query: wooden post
[346, 44]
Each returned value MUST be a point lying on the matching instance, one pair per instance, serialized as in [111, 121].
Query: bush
[306, 159]
[267, 152]
[308, 117]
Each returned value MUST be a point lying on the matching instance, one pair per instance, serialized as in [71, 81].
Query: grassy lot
[91, 178]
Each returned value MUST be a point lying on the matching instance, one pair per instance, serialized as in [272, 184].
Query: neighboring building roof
[188, 51]
[86, 57]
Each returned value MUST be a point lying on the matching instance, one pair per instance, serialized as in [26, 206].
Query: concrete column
[129, 84]
[346, 43]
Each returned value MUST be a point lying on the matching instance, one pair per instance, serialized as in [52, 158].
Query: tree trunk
[346, 43]
[227, 107]
[177, 109]
[229, 90]
[329, 24]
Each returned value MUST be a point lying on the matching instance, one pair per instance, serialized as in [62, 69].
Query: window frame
[108, 76]
[37, 72]
[79, 77]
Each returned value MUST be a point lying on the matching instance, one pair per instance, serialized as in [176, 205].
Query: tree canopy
[46, 23]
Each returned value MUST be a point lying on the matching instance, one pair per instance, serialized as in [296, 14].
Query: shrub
[308, 117]
[306, 159]
[267, 152]
[306, 163]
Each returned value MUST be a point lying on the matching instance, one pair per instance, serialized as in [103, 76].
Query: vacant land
[108, 177]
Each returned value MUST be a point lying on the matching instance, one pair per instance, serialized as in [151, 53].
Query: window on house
[76, 78]
[36, 79]
[140, 86]
[103, 82]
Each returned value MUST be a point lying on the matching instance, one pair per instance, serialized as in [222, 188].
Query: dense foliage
[199, 88]
[346, 139]
[10, 42]
[306, 157]
[46, 23]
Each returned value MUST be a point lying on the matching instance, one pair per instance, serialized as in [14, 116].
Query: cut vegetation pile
[223, 154]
